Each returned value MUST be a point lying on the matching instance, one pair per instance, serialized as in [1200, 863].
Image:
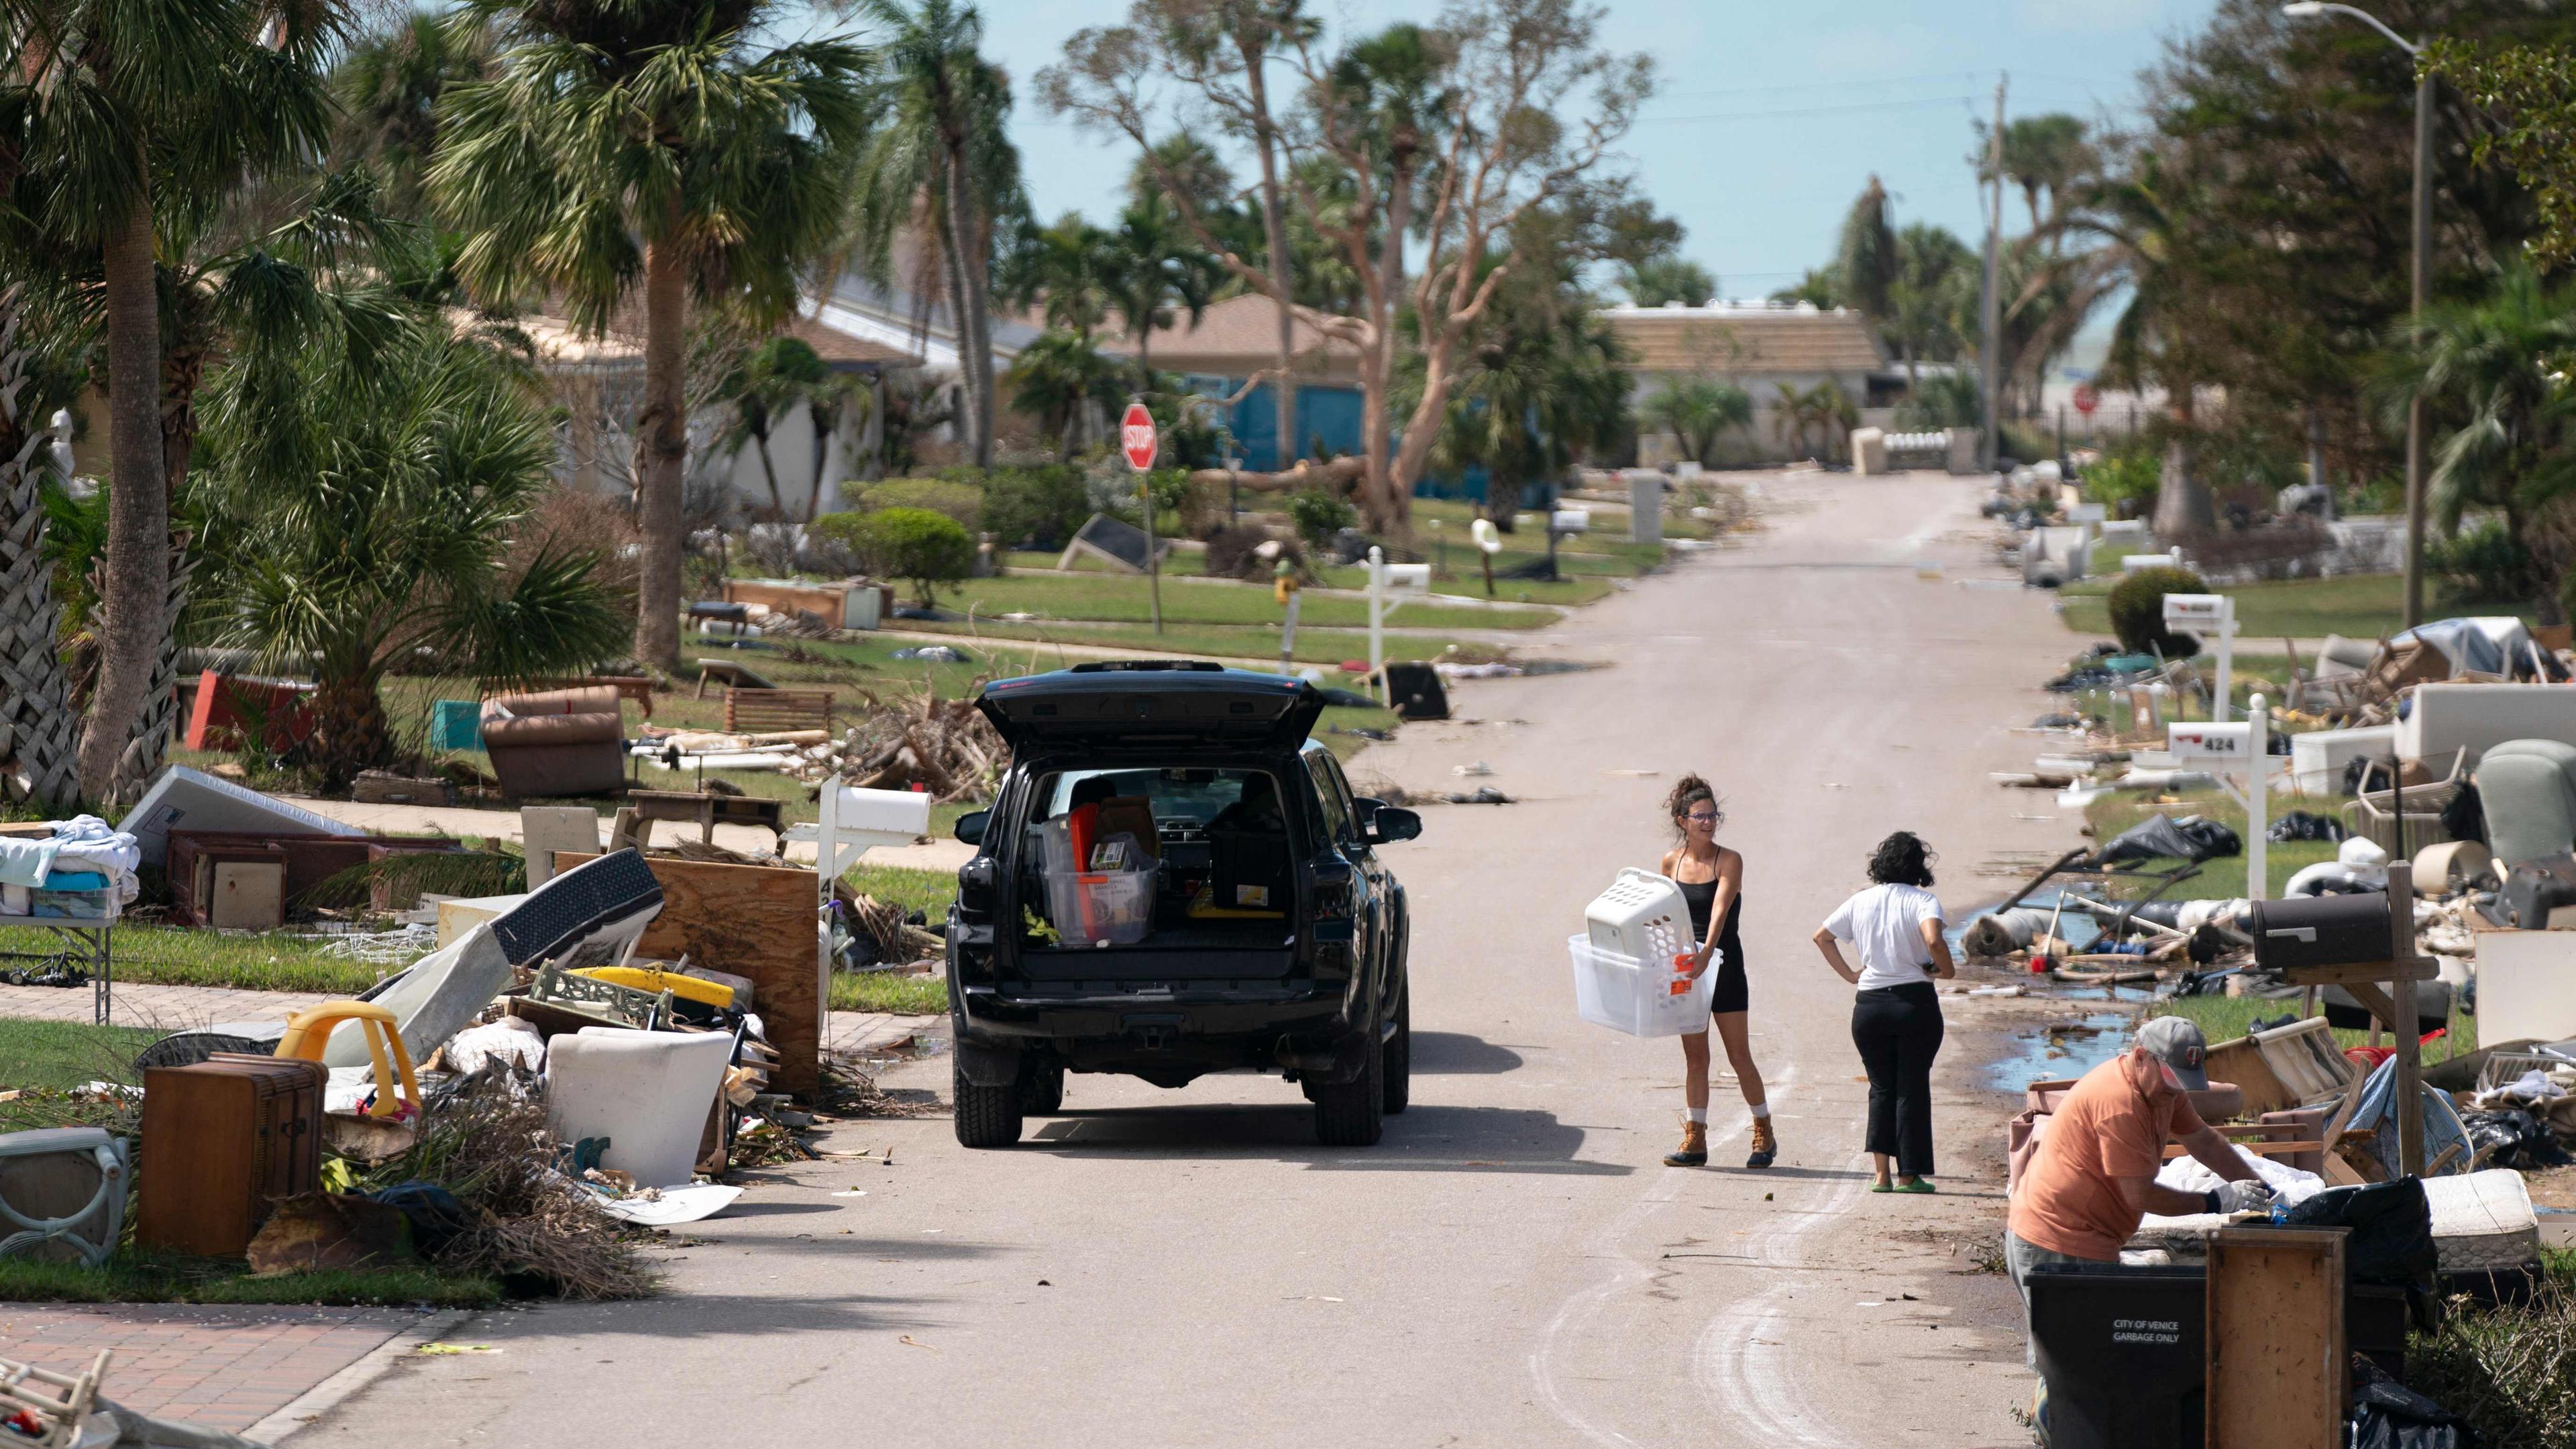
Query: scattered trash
[933, 654]
[450, 1350]
[1471, 771]
[1487, 795]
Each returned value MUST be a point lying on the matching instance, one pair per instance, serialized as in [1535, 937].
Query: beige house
[1760, 347]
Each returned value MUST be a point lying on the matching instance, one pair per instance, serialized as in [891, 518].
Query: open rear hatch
[1148, 703]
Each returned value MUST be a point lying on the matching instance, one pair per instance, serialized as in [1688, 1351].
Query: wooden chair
[776, 711]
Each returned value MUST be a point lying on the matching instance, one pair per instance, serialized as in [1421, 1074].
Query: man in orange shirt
[2094, 1173]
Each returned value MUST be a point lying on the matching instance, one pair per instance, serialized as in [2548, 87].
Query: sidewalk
[218, 1368]
[461, 820]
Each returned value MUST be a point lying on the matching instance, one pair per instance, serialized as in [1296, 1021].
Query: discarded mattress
[188, 799]
[2482, 1221]
[590, 915]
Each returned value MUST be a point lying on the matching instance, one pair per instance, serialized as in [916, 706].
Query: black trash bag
[2512, 1138]
[2304, 825]
[2392, 1229]
[2194, 838]
[2388, 1415]
[2466, 816]
[2356, 770]
[435, 1215]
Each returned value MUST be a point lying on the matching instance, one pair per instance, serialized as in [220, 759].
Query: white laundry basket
[1623, 962]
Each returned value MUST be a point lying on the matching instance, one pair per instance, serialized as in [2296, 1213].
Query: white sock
[1696, 1116]
[1761, 1111]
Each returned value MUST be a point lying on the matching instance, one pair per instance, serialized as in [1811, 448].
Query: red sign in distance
[2086, 399]
[1136, 437]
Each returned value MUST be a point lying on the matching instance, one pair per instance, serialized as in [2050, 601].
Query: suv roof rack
[1140, 666]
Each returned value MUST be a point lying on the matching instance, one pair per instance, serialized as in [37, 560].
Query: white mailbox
[1570, 520]
[2198, 611]
[2206, 741]
[1408, 578]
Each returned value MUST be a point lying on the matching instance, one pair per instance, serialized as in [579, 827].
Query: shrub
[923, 548]
[2138, 611]
[2125, 479]
[1032, 507]
[2482, 563]
[959, 500]
[1230, 554]
[1319, 515]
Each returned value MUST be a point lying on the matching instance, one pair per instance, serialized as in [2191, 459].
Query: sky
[1769, 116]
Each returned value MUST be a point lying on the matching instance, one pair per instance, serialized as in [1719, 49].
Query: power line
[1810, 110]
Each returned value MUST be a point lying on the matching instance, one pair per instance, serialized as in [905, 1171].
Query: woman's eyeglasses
[1699, 818]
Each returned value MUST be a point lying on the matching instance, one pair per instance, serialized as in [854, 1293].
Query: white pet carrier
[1623, 963]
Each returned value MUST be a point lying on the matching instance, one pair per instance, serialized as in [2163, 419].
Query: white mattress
[2482, 1221]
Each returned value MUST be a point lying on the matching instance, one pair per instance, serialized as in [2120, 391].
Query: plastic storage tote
[1619, 991]
[1641, 916]
[1101, 907]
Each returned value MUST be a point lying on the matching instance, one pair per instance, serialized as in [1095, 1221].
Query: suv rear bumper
[1303, 1028]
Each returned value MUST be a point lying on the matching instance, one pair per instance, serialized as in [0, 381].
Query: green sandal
[1918, 1185]
[1882, 1187]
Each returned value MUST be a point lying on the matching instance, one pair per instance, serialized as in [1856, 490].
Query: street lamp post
[2305, 9]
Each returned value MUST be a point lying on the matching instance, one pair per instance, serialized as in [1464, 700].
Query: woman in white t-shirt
[1895, 926]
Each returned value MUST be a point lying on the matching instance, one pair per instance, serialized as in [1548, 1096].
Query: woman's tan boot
[1766, 1147]
[1694, 1149]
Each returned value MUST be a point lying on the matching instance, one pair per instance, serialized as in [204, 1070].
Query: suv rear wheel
[986, 1116]
[1348, 1114]
[1399, 1053]
[1042, 1089]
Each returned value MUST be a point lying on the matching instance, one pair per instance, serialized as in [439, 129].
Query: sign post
[2207, 614]
[2222, 749]
[1384, 581]
[1136, 439]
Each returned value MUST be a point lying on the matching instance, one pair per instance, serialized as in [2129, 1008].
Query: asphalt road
[1511, 1266]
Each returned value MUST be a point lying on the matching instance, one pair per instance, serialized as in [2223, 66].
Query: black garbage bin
[2122, 1352]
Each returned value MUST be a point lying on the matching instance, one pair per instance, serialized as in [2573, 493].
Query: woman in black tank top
[1719, 876]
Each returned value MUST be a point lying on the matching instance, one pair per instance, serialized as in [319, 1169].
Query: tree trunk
[2183, 506]
[661, 452]
[1376, 430]
[1274, 233]
[962, 417]
[975, 328]
[769, 471]
[35, 710]
[349, 731]
[1389, 481]
[132, 608]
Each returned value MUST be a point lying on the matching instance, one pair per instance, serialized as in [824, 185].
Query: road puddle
[2060, 1050]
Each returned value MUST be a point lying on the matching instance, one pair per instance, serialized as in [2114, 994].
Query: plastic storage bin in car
[1642, 916]
[1619, 991]
[1101, 907]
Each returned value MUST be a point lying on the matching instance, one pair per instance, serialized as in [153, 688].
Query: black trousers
[1898, 1031]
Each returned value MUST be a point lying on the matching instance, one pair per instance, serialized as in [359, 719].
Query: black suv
[1174, 880]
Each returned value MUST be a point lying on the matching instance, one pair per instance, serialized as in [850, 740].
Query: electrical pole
[1990, 311]
[2415, 315]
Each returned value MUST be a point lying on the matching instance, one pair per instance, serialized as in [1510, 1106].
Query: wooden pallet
[775, 711]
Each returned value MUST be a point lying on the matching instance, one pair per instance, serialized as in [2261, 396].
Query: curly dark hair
[1687, 791]
[1901, 859]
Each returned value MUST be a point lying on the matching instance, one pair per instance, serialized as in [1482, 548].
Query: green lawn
[1253, 642]
[129, 1277]
[2357, 606]
[1127, 599]
[899, 992]
[60, 1055]
[2224, 876]
[2225, 1018]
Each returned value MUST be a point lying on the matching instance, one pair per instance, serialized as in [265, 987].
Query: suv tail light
[975, 888]
[1336, 891]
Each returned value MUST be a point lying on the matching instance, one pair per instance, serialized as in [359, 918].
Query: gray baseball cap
[2176, 1041]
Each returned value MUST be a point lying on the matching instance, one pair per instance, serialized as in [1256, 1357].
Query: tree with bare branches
[1441, 135]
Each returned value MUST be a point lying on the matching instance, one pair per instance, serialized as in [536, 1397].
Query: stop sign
[1136, 437]
[2086, 399]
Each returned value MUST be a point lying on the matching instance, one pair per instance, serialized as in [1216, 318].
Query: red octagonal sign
[1136, 437]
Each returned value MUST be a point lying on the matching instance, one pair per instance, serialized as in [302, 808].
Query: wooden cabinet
[223, 1141]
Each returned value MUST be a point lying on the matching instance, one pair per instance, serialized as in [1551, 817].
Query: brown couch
[560, 742]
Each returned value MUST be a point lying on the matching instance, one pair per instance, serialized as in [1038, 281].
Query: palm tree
[1067, 270]
[1823, 406]
[2043, 153]
[114, 110]
[1934, 292]
[388, 87]
[762, 388]
[1866, 262]
[361, 515]
[1697, 411]
[1154, 269]
[1057, 378]
[1536, 397]
[650, 150]
[2499, 363]
[942, 152]
[1656, 280]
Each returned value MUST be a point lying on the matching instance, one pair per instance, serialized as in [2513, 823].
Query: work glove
[2244, 1197]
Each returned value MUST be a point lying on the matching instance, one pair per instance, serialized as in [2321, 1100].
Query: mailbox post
[2223, 749]
[2207, 614]
[1385, 582]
